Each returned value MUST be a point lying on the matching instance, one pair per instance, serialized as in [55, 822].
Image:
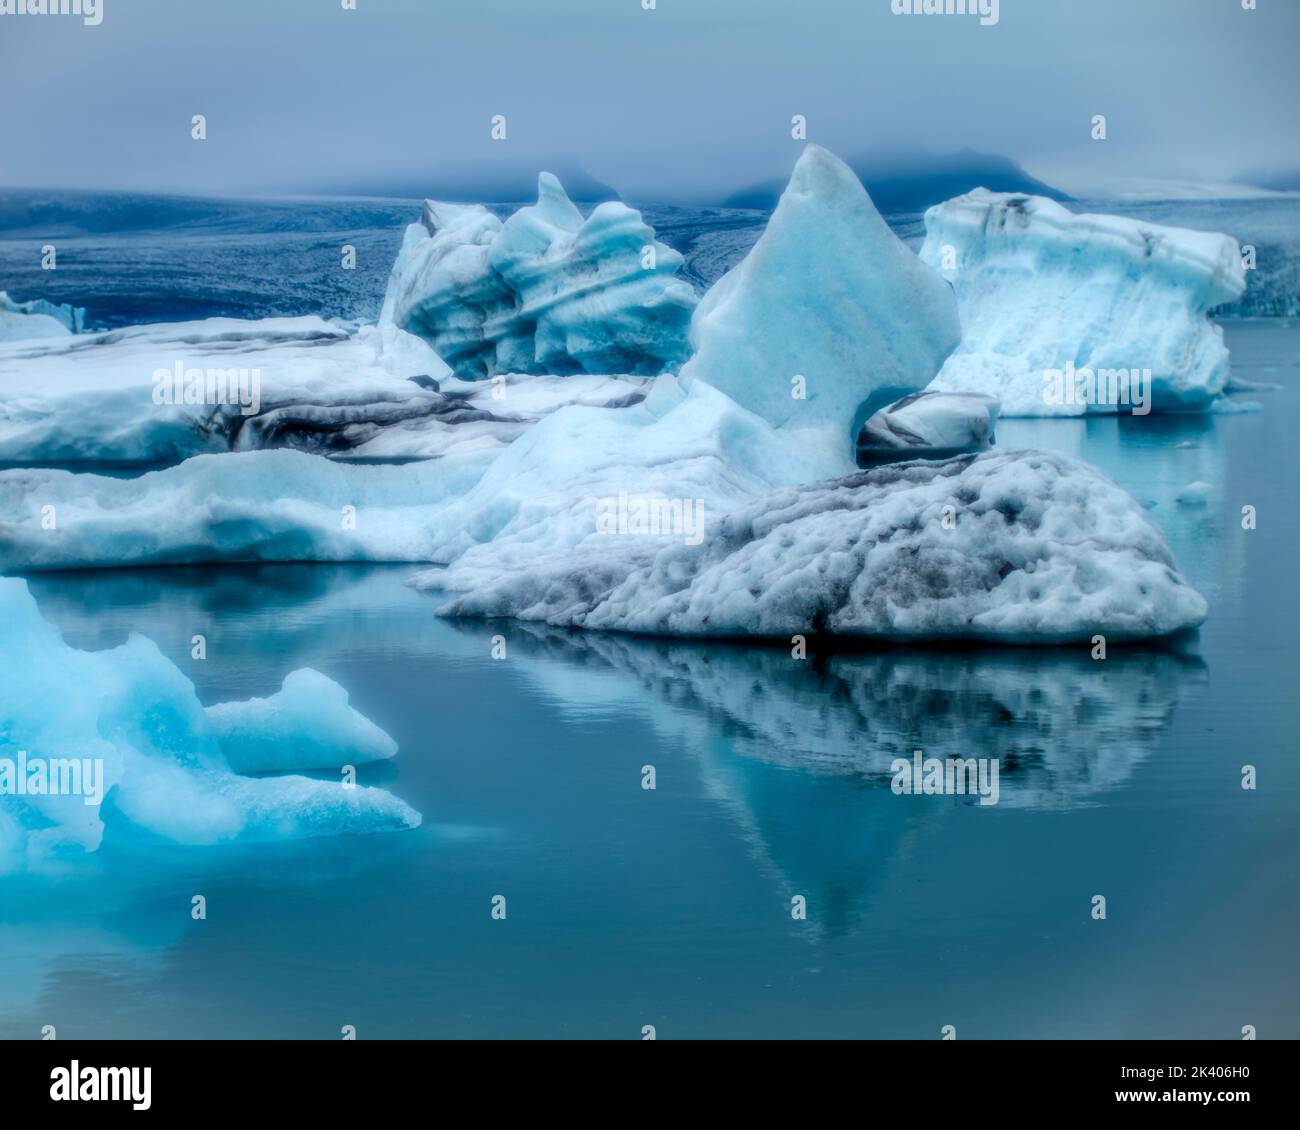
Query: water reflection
[774, 781]
[1065, 726]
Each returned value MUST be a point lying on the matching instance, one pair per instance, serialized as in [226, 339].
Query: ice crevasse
[135, 730]
[1043, 290]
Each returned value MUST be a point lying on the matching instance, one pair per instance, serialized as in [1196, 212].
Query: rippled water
[672, 908]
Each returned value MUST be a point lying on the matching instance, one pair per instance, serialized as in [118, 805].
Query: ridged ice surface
[1040, 288]
[547, 291]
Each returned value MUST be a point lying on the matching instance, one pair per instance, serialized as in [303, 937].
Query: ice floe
[1023, 547]
[116, 743]
[158, 394]
[308, 724]
[1110, 301]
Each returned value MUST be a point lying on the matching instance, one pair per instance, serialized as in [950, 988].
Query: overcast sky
[688, 100]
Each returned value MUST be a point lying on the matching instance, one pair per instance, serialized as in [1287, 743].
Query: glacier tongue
[828, 295]
[1042, 290]
[544, 292]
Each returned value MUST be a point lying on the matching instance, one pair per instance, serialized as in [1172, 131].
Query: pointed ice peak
[439, 215]
[819, 172]
[553, 204]
[828, 308]
[821, 175]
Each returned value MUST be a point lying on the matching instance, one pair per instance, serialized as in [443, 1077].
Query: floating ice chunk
[27, 321]
[245, 506]
[544, 292]
[1044, 291]
[135, 754]
[929, 425]
[1196, 494]
[160, 393]
[38, 318]
[302, 383]
[442, 286]
[829, 303]
[308, 724]
[1024, 547]
[680, 515]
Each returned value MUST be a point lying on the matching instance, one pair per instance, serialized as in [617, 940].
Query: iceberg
[156, 394]
[1030, 547]
[1044, 291]
[23, 321]
[153, 395]
[828, 309]
[139, 756]
[736, 529]
[929, 425]
[709, 503]
[545, 291]
[242, 506]
[308, 724]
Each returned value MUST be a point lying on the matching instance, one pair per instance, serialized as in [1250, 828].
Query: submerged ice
[1064, 314]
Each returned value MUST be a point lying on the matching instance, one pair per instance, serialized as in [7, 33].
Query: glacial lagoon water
[672, 907]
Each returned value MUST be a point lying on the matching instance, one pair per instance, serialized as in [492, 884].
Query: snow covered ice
[1043, 289]
[1025, 547]
[544, 292]
[829, 297]
[164, 776]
